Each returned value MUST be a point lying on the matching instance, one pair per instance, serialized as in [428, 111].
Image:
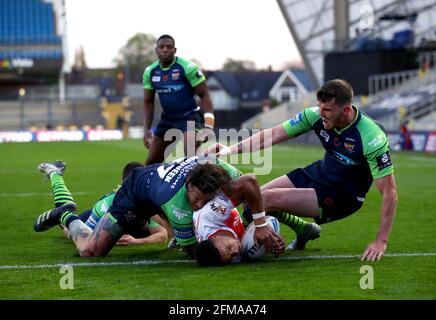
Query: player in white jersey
[222, 236]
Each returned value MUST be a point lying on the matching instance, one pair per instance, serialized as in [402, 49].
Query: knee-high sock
[61, 194]
[295, 223]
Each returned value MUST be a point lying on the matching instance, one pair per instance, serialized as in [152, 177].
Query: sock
[295, 223]
[67, 217]
[60, 191]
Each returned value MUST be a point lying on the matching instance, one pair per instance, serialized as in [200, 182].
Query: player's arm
[388, 190]
[199, 84]
[157, 235]
[148, 115]
[266, 138]
[246, 189]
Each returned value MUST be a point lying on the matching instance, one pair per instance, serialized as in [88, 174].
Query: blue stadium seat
[27, 22]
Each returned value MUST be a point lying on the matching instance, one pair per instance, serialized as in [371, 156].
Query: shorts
[335, 203]
[181, 124]
[132, 207]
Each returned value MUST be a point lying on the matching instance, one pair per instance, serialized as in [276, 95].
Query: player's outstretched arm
[376, 249]
[259, 141]
[246, 189]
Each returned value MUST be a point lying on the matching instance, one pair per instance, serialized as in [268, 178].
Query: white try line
[154, 262]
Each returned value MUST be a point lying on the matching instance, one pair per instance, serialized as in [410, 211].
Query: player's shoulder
[372, 133]
[150, 67]
[187, 65]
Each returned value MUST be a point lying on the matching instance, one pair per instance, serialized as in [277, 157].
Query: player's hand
[267, 237]
[126, 240]
[374, 251]
[215, 149]
[276, 250]
[148, 136]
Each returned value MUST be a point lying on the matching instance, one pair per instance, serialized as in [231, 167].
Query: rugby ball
[250, 250]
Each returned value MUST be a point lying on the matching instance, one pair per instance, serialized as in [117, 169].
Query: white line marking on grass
[95, 264]
[335, 257]
[38, 194]
[154, 262]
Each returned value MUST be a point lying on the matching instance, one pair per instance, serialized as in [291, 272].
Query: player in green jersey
[150, 232]
[176, 188]
[356, 154]
[176, 81]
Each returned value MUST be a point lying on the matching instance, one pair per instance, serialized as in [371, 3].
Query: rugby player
[177, 188]
[148, 233]
[356, 154]
[176, 82]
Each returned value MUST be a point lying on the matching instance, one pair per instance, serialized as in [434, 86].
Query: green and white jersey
[174, 85]
[177, 208]
[354, 156]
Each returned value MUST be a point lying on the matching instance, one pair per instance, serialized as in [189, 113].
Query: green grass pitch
[329, 268]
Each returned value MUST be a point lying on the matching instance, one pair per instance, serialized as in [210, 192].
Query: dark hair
[207, 254]
[128, 169]
[209, 178]
[337, 89]
[165, 36]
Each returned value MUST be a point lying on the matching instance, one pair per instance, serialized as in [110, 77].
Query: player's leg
[156, 153]
[54, 171]
[297, 224]
[281, 197]
[64, 202]
[97, 242]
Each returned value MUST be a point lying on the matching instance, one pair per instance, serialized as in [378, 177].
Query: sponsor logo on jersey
[175, 75]
[384, 160]
[337, 141]
[295, 120]
[184, 233]
[350, 139]
[104, 207]
[376, 141]
[165, 78]
[180, 213]
[349, 147]
[325, 135]
[218, 208]
[170, 89]
[155, 78]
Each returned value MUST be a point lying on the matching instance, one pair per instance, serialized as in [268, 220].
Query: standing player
[177, 188]
[357, 153]
[176, 81]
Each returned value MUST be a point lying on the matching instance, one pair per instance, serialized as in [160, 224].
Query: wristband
[209, 120]
[261, 225]
[258, 215]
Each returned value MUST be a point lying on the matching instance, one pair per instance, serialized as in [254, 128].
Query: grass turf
[94, 168]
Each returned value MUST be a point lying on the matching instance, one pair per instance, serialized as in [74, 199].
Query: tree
[238, 65]
[135, 55]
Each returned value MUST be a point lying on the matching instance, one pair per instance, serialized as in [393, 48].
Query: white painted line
[153, 262]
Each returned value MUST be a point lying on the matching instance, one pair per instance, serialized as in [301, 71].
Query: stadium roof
[320, 26]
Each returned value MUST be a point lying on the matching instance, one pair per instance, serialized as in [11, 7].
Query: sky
[209, 31]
